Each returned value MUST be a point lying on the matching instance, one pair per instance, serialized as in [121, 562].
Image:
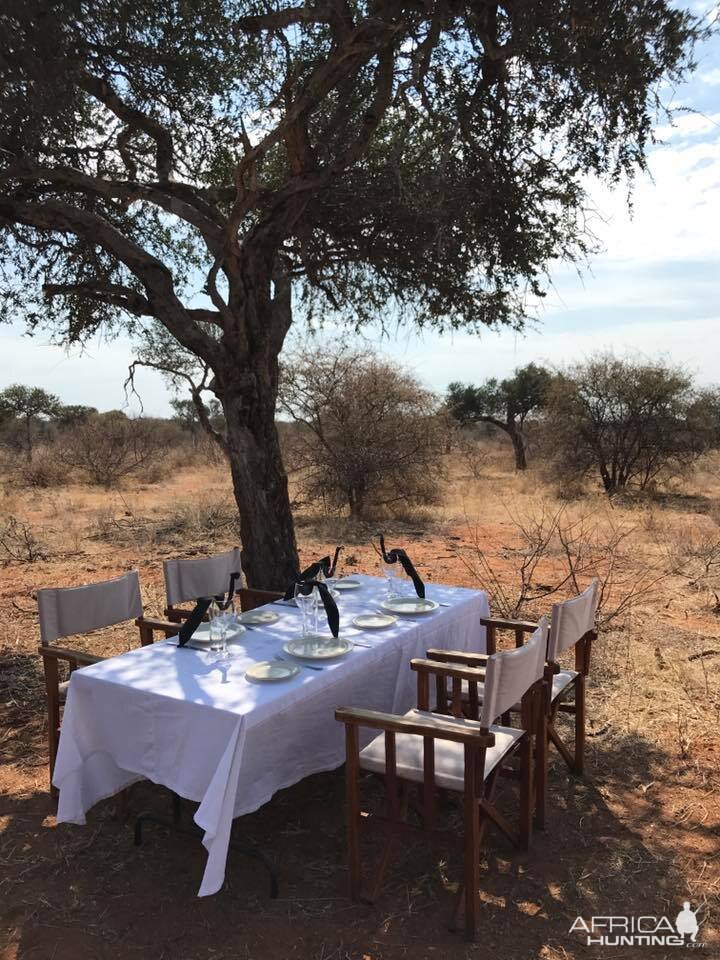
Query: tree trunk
[28, 439]
[518, 443]
[509, 427]
[270, 559]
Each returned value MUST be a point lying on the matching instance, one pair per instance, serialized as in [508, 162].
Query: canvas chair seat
[449, 756]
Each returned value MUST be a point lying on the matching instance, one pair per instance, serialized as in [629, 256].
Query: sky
[653, 290]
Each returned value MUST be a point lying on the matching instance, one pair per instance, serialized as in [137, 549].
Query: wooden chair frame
[52, 657]
[478, 793]
[574, 758]
[470, 705]
[249, 598]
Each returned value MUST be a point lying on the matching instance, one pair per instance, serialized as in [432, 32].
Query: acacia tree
[367, 432]
[186, 166]
[629, 421]
[28, 405]
[506, 404]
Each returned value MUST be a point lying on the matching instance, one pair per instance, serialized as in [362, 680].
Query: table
[204, 731]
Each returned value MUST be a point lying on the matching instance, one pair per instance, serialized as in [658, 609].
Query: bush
[44, 470]
[111, 446]
[18, 542]
[555, 552]
[632, 423]
[367, 435]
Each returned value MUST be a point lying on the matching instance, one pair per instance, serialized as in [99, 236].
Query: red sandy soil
[638, 835]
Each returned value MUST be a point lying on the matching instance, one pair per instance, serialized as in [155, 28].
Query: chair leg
[541, 766]
[579, 764]
[353, 808]
[52, 684]
[526, 791]
[471, 878]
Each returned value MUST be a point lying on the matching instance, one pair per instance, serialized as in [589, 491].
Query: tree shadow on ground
[72, 892]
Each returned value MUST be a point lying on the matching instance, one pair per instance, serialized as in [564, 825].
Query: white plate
[201, 638]
[318, 647]
[258, 617]
[374, 621]
[346, 584]
[270, 671]
[410, 606]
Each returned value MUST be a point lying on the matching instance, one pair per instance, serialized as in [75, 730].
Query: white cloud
[674, 210]
[686, 125]
[711, 77]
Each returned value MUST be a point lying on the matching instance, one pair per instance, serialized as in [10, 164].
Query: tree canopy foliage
[192, 165]
[505, 404]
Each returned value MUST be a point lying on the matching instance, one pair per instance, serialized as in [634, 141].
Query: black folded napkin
[399, 555]
[331, 610]
[194, 620]
[224, 602]
[324, 565]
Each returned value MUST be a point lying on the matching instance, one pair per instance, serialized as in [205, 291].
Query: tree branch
[195, 392]
[101, 90]
[170, 197]
[114, 294]
[154, 275]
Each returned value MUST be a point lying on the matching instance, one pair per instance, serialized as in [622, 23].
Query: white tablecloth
[203, 730]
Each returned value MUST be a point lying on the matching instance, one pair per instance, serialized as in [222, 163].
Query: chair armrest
[448, 670]
[73, 656]
[435, 727]
[525, 626]
[478, 660]
[151, 624]
[250, 598]
[176, 614]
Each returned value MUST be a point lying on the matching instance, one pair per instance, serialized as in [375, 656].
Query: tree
[506, 404]
[368, 436]
[72, 414]
[28, 405]
[631, 421]
[426, 160]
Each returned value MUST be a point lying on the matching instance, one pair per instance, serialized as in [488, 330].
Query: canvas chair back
[69, 610]
[572, 619]
[203, 577]
[511, 673]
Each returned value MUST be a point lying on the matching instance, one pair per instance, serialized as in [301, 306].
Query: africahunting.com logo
[644, 931]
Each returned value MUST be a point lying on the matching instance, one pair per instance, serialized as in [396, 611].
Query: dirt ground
[637, 836]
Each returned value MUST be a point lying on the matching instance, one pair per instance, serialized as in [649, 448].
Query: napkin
[224, 602]
[331, 610]
[194, 620]
[324, 565]
[399, 555]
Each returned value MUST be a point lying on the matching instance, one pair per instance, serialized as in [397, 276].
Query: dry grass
[640, 834]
